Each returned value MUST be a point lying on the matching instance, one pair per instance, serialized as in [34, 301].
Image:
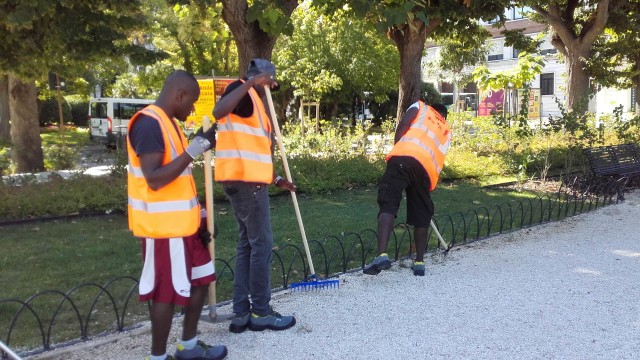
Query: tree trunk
[251, 41]
[410, 43]
[25, 130]
[578, 89]
[5, 124]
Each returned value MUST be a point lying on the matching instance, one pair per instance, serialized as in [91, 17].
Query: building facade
[551, 82]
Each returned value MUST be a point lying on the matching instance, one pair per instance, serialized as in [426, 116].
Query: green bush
[79, 110]
[5, 161]
[80, 194]
[58, 157]
[50, 114]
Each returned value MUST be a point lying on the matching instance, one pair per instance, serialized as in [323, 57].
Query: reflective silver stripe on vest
[423, 147]
[248, 155]
[242, 128]
[419, 124]
[163, 206]
[137, 172]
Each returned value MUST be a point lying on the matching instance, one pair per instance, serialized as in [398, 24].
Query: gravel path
[566, 290]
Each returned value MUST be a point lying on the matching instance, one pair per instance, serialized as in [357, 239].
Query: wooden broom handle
[285, 164]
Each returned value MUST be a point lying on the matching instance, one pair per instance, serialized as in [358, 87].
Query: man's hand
[202, 141]
[263, 79]
[204, 234]
[285, 184]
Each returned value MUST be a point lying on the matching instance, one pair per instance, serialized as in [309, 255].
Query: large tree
[616, 54]
[332, 58]
[575, 26]
[256, 25]
[63, 36]
[409, 23]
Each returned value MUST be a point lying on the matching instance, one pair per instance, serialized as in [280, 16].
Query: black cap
[257, 66]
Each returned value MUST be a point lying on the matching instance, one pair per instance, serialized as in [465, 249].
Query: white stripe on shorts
[203, 270]
[148, 277]
[181, 283]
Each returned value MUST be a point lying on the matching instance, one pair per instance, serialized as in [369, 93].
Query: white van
[109, 117]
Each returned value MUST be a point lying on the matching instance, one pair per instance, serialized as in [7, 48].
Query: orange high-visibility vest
[427, 141]
[169, 212]
[243, 146]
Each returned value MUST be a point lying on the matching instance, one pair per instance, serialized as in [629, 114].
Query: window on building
[516, 52]
[549, 51]
[495, 57]
[446, 87]
[546, 84]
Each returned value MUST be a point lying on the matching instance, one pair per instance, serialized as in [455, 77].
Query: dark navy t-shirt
[146, 136]
[244, 108]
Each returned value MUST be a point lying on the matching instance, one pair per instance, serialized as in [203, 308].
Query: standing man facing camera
[165, 213]
[244, 166]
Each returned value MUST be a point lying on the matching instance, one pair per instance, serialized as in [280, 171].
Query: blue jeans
[253, 253]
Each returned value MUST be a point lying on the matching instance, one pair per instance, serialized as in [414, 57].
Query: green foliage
[63, 36]
[329, 58]
[5, 160]
[59, 157]
[50, 114]
[615, 60]
[429, 94]
[79, 110]
[627, 130]
[270, 17]
[82, 194]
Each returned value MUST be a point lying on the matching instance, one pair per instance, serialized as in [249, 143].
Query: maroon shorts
[171, 267]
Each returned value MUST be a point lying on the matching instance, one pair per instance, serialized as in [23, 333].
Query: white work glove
[203, 141]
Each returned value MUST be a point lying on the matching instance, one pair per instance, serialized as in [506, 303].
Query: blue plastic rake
[313, 283]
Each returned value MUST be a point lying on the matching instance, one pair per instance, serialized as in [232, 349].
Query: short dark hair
[441, 109]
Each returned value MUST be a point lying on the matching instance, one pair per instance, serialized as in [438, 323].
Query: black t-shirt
[244, 108]
[146, 136]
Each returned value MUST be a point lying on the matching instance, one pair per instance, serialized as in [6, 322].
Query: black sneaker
[239, 323]
[272, 321]
[381, 262]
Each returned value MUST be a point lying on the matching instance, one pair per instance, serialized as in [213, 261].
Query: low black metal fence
[52, 318]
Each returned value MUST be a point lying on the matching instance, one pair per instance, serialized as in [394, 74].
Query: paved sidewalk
[566, 290]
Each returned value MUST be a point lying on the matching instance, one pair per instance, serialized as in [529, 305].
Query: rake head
[315, 284]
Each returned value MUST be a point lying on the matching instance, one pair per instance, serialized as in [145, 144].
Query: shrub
[79, 110]
[58, 157]
[5, 161]
[50, 114]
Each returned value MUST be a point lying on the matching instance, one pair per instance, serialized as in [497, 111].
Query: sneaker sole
[254, 327]
[375, 269]
[237, 329]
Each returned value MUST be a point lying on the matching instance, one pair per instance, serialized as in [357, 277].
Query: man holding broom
[413, 165]
[165, 213]
[244, 166]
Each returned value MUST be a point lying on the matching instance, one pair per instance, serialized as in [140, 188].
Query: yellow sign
[204, 105]
[534, 103]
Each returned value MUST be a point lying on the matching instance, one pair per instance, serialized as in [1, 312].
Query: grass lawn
[73, 136]
[62, 254]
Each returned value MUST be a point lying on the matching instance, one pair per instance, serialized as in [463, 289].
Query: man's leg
[236, 195]
[161, 317]
[386, 222]
[390, 190]
[193, 311]
[420, 239]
